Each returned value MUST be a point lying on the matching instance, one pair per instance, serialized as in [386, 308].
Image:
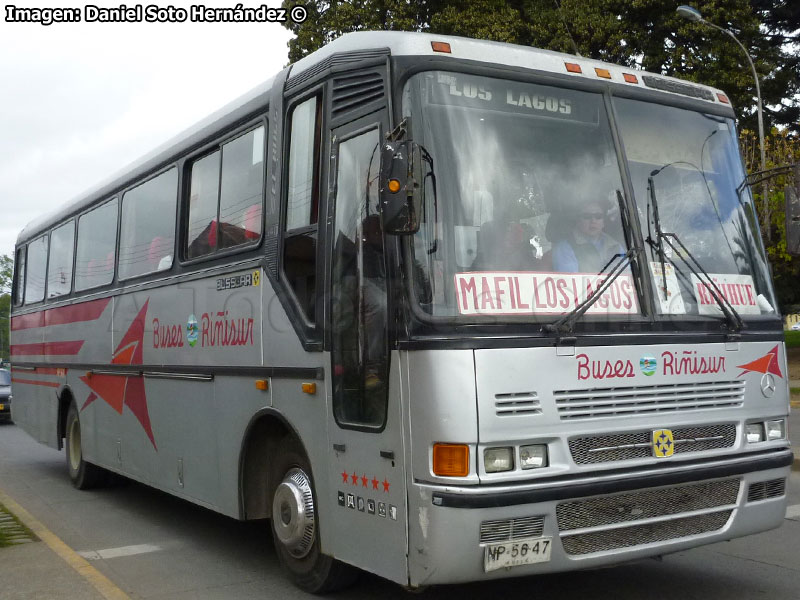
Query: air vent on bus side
[521, 403]
[331, 63]
[356, 93]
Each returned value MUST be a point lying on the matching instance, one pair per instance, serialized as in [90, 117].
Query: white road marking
[793, 512]
[121, 551]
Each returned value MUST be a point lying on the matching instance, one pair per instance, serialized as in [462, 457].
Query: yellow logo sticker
[663, 443]
[256, 278]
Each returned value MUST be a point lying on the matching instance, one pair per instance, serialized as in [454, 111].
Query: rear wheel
[83, 475]
[295, 525]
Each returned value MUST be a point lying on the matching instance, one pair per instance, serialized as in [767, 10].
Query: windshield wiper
[732, 317]
[617, 262]
[567, 322]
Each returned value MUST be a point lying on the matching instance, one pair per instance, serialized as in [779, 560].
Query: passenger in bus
[505, 244]
[581, 245]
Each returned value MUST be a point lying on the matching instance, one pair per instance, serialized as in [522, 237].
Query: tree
[639, 33]
[6, 273]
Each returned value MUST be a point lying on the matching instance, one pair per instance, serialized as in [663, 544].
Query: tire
[294, 523]
[84, 475]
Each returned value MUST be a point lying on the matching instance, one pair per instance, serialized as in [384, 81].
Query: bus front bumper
[455, 532]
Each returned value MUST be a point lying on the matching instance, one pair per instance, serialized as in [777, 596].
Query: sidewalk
[33, 571]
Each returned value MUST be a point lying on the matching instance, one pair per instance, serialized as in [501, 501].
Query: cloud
[80, 101]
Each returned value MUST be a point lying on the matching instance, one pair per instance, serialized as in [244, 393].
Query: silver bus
[499, 310]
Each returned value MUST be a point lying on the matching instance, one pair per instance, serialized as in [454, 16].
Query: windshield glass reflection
[525, 219]
[692, 163]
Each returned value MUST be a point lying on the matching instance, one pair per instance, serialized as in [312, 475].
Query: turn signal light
[440, 47]
[451, 460]
[262, 384]
[630, 78]
[310, 388]
[604, 73]
[573, 68]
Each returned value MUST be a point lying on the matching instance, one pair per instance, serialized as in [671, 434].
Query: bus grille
[629, 446]
[603, 403]
[522, 403]
[646, 504]
[505, 530]
[647, 533]
[764, 490]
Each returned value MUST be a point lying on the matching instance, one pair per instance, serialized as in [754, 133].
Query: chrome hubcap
[293, 513]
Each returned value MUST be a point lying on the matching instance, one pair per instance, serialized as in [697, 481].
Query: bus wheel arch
[84, 475]
[295, 523]
[263, 434]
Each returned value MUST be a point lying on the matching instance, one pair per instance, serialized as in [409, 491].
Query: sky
[80, 101]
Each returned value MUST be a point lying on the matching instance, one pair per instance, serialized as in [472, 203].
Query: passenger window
[59, 270]
[358, 292]
[300, 242]
[226, 196]
[19, 270]
[97, 242]
[147, 236]
[37, 266]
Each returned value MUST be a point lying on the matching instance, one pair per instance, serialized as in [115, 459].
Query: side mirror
[399, 187]
[792, 195]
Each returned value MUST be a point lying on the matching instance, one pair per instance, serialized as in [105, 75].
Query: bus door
[364, 425]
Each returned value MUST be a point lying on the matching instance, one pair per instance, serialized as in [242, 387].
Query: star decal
[364, 480]
[117, 391]
[345, 477]
[386, 485]
[354, 477]
[768, 363]
[375, 483]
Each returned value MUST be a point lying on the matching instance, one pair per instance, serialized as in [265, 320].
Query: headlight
[776, 430]
[754, 432]
[533, 457]
[496, 460]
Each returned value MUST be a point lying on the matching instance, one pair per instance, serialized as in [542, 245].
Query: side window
[97, 243]
[226, 196]
[37, 267]
[19, 273]
[147, 235]
[302, 203]
[59, 270]
[358, 293]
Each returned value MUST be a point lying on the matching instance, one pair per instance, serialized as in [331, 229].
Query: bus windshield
[523, 205]
[524, 220]
[691, 161]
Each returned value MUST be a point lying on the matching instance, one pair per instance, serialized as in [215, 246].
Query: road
[154, 546]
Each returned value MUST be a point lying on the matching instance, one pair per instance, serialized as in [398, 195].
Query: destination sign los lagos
[511, 96]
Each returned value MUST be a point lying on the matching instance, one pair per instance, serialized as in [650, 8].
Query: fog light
[755, 432]
[533, 457]
[776, 430]
[496, 460]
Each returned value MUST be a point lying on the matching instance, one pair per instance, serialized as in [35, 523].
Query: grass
[792, 339]
[12, 532]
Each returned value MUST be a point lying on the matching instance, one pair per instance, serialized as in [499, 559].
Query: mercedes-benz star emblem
[768, 385]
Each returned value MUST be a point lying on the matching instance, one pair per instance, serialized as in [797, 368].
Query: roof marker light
[604, 73]
[440, 47]
[630, 78]
[573, 67]
[723, 98]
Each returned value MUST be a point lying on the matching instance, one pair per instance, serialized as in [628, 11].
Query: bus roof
[399, 44]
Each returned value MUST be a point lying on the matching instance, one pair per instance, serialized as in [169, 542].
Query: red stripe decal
[51, 371]
[47, 349]
[85, 311]
[34, 382]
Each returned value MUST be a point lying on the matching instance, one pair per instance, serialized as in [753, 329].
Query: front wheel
[295, 525]
[84, 475]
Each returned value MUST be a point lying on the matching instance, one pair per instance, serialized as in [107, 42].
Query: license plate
[519, 552]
